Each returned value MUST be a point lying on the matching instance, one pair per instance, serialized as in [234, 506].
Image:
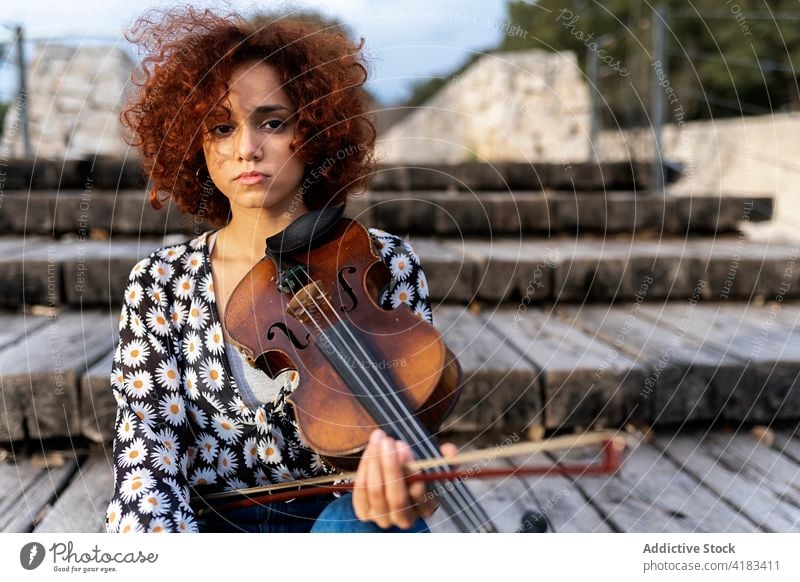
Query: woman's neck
[243, 238]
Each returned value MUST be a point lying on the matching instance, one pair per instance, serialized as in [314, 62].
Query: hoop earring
[197, 175]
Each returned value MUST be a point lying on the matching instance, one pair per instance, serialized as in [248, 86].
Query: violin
[309, 306]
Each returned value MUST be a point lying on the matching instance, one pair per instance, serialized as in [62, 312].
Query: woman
[247, 126]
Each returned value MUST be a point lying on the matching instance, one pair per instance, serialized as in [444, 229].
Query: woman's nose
[249, 144]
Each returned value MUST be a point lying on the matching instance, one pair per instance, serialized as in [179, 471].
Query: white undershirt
[254, 385]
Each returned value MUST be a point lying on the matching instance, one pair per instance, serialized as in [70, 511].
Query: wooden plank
[40, 375]
[451, 275]
[15, 478]
[684, 377]
[650, 494]
[81, 507]
[586, 382]
[22, 513]
[787, 443]
[98, 407]
[740, 488]
[500, 388]
[766, 467]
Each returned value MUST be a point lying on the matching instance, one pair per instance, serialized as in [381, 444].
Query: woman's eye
[275, 121]
[221, 129]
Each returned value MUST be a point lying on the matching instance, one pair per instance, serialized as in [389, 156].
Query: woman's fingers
[401, 512]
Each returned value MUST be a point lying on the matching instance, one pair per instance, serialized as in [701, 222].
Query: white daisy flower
[130, 524]
[161, 272]
[403, 293]
[198, 314]
[269, 453]
[227, 429]
[117, 378]
[157, 346]
[157, 321]
[214, 339]
[261, 420]
[133, 295]
[133, 454]
[234, 483]
[126, 430]
[261, 478]
[158, 295]
[188, 458]
[178, 314]
[277, 435]
[158, 525]
[183, 287]
[212, 374]
[139, 268]
[422, 284]
[168, 375]
[197, 415]
[154, 503]
[173, 409]
[192, 262]
[207, 288]
[113, 514]
[214, 402]
[298, 473]
[123, 318]
[281, 474]
[400, 266]
[134, 353]
[166, 436]
[317, 464]
[136, 324]
[139, 384]
[190, 385]
[191, 347]
[226, 462]
[147, 416]
[204, 476]
[137, 482]
[164, 460]
[172, 253]
[411, 254]
[186, 523]
[237, 406]
[250, 452]
[423, 311]
[208, 447]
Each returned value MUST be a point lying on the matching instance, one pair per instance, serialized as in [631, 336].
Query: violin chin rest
[304, 231]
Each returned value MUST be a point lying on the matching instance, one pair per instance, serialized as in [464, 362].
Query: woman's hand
[380, 492]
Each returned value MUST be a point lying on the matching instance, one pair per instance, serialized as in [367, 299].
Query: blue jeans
[316, 514]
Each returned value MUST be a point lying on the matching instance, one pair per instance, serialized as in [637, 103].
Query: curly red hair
[190, 56]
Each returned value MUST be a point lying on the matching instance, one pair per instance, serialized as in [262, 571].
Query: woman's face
[255, 138]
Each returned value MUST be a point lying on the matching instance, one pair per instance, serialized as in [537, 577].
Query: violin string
[459, 489]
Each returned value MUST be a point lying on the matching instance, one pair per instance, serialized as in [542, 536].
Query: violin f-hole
[289, 334]
[347, 288]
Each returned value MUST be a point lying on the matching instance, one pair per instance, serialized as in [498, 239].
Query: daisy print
[196, 414]
[190, 384]
[423, 311]
[157, 321]
[212, 374]
[226, 462]
[172, 253]
[403, 293]
[161, 272]
[167, 374]
[207, 288]
[204, 476]
[198, 314]
[125, 431]
[136, 483]
[157, 293]
[185, 522]
[134, 294]
[166, 436]
[269, 453]
[139, 384]
[250, 452]
[130, 524]
[191, 347]
[135, 353]
[184, 287]
[164, 460]
[281, 474]
[173, 409]
[154, 503]
[123, 317]
[400, 266]
[158, 525]
[113, 514]
[214, 339]
[146, 414]
[178, 315]
[208, 446]
[261, 478]
[133, 454]
[234, 483]
[193, 261]
[214, 402]
[226, 428]
[139, 268]
[422, 285]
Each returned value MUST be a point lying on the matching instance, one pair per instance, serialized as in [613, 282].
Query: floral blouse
[181, 423]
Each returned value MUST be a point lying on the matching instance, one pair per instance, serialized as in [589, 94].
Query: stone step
[100, 172]
[40, 271]
[489, 213]
[572, 367]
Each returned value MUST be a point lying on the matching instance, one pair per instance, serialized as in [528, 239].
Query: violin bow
[613, 443]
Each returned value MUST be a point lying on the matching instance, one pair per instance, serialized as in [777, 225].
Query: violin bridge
[308, 303]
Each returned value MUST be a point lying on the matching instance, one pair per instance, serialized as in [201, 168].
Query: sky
[405, 41]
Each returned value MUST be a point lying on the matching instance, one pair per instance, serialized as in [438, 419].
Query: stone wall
[74, 97]
[528, 105]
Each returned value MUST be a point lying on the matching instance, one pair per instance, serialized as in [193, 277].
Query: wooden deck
[685, 482]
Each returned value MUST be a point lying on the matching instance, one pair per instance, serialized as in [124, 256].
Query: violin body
[315, 311]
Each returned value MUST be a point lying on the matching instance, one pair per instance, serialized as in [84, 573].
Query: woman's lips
[251, 179]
